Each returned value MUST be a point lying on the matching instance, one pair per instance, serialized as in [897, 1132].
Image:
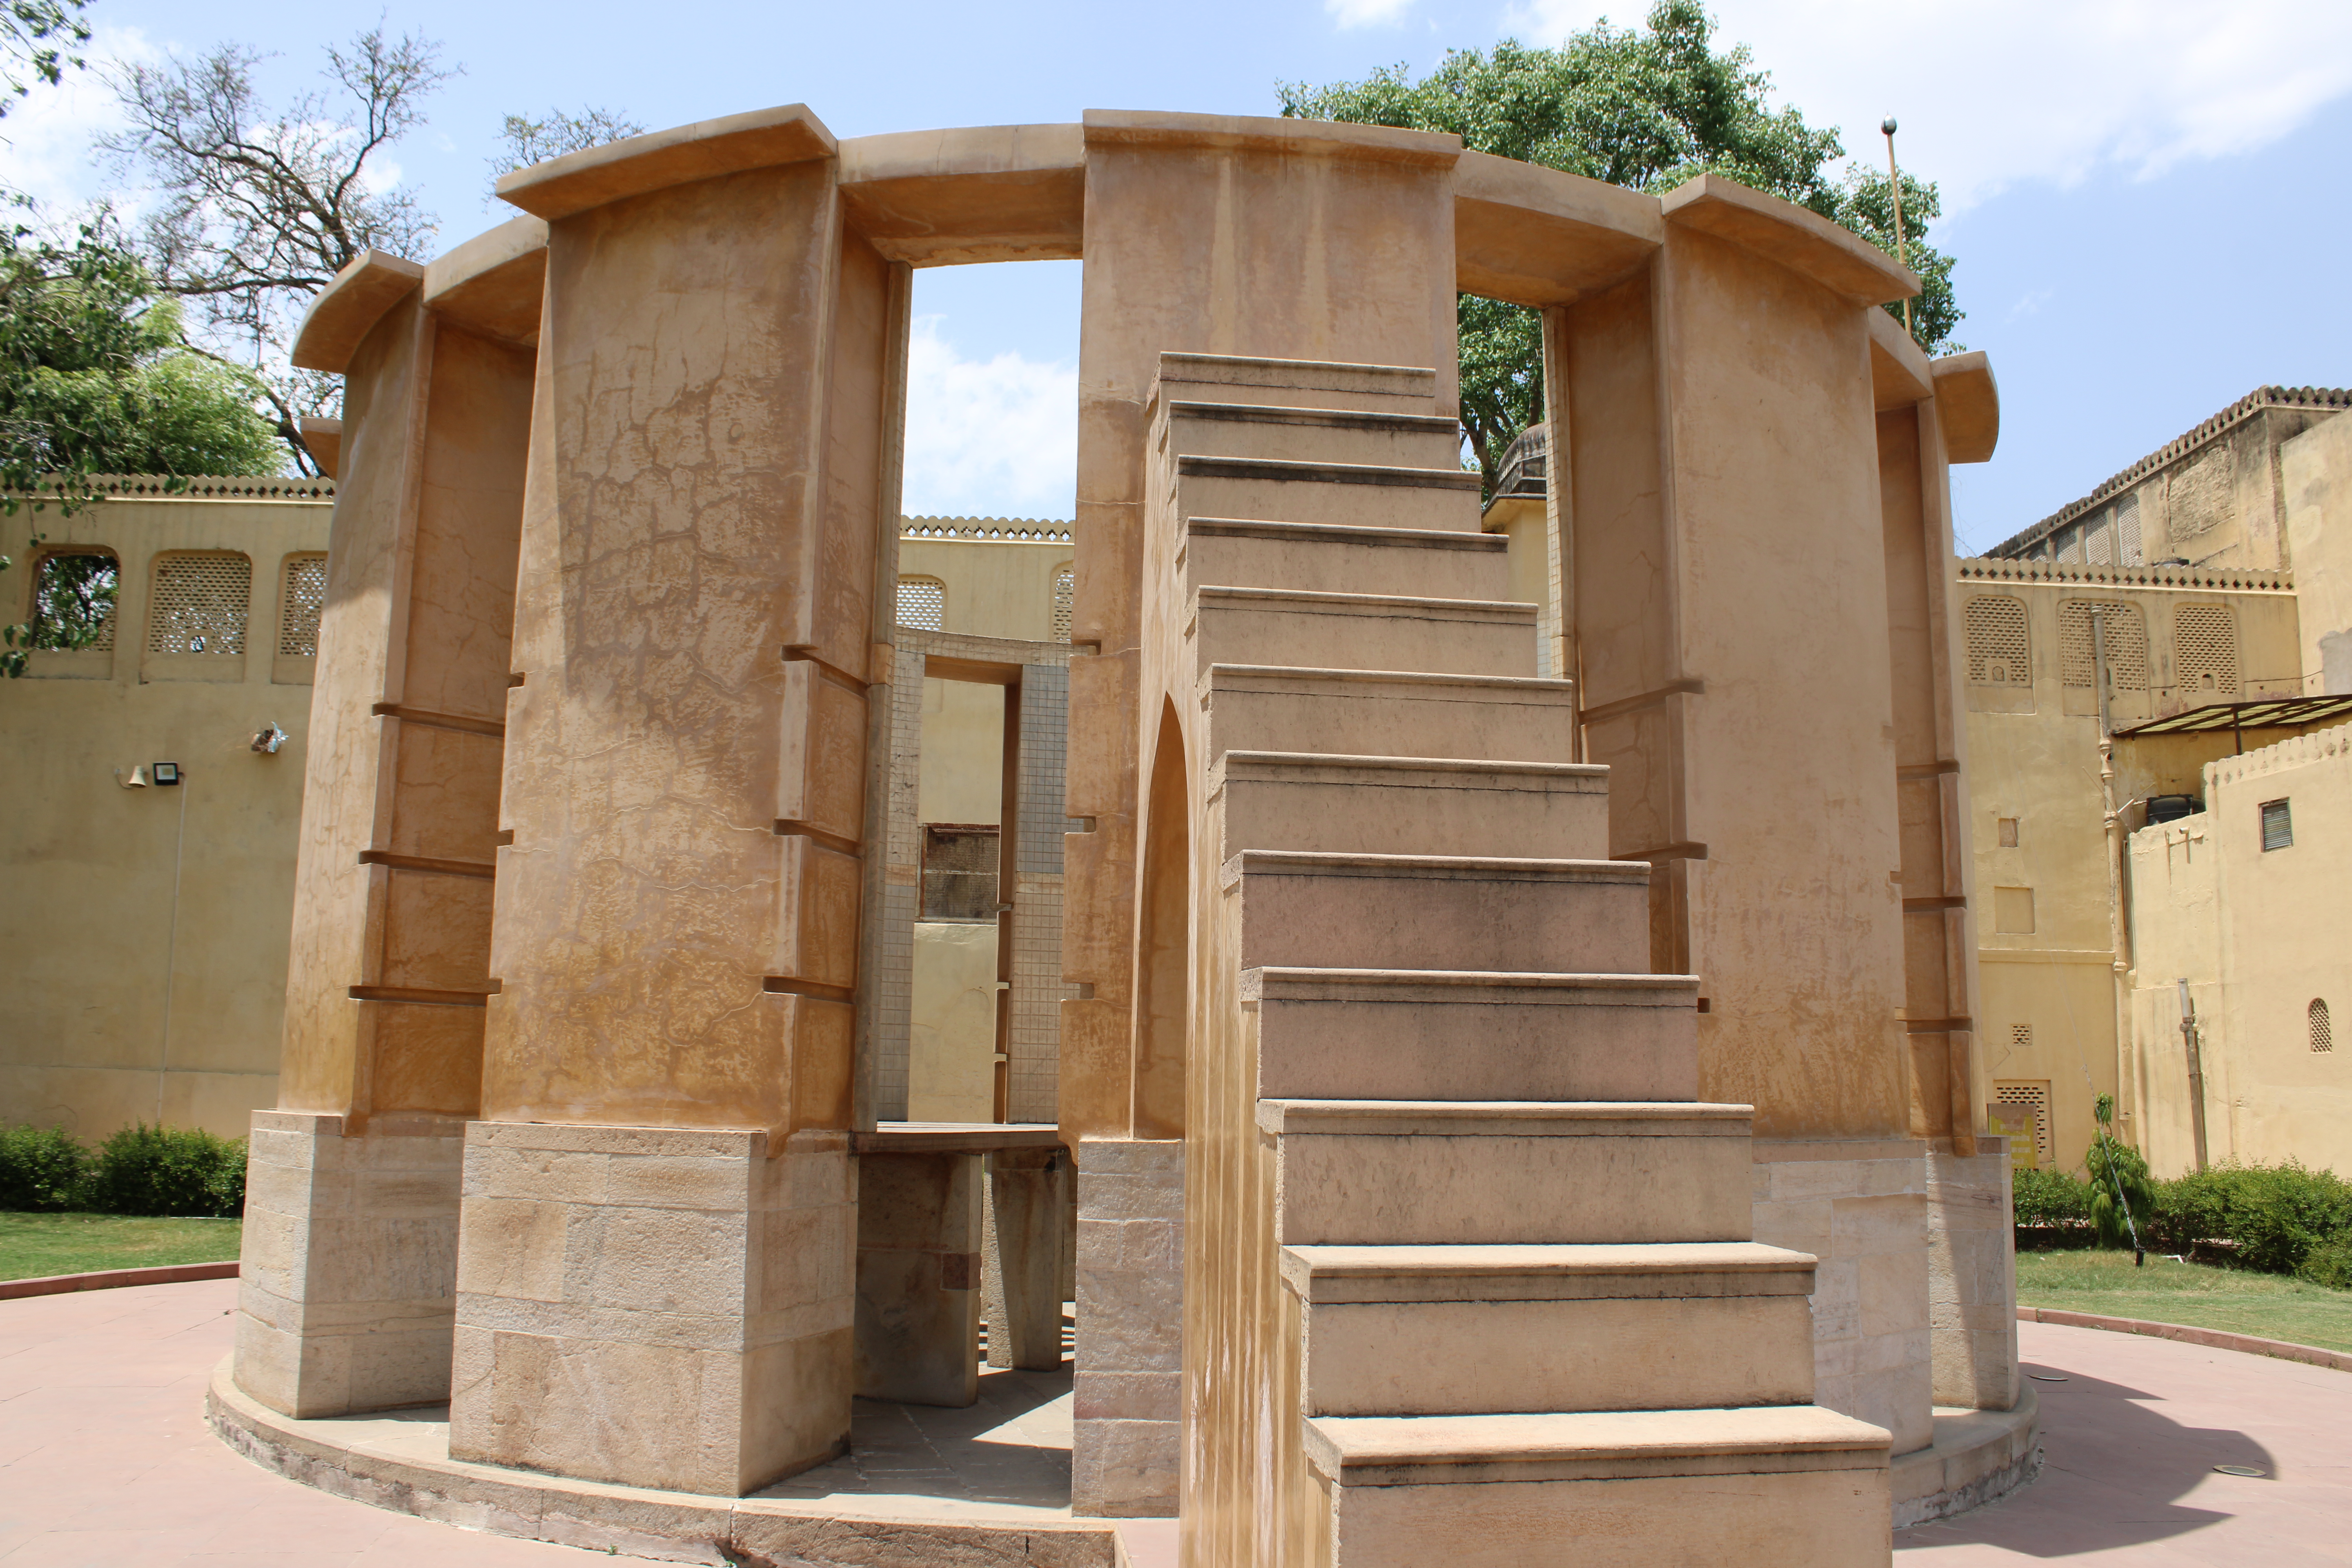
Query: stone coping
[1977, 1455]
[2215, 1339]
[115, 1278]
[399, 1461]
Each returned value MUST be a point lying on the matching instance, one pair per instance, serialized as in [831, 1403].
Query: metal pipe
[1895, 188]
[2190, 1045]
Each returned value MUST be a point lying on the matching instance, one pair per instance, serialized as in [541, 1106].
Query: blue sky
[2145, 198]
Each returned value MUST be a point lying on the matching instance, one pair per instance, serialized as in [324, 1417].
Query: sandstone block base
[918, 1285]
[1972, 1278]
[350, 1263]
[1131, 1295]
[653, 1307]
[1860, 1208]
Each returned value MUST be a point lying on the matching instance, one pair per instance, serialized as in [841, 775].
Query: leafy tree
[2123, 1197]
[35, 35]
[96, 378]
[258, 209]
[1644, 108]
[529, 142]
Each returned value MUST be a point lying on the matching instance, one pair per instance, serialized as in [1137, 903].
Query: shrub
[2049, 1198]
[146, 1170]
[2274, 1215]
[2112, 1166]
[41, 1169]
[2329, 1263]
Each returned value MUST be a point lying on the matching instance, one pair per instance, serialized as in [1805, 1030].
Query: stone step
[1766, 1486]
[1296, 383]
[1363, 631]
[1304, 800]
[1419, 1033]
[1323, 558]
[1355, 495]
[1356, 713]
[1374, 1173]
[1308, 910]
[1313, 434]
[1408, 1331]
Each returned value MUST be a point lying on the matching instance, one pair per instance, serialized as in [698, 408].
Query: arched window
[923, 604]
[73, 600]
[1997, 654]
[302, 597]
[2126, 644]
[201, 604]
[1065, 594]
[2205, 649]
[2323, 1036]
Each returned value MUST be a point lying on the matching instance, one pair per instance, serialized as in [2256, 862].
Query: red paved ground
[105, 1458]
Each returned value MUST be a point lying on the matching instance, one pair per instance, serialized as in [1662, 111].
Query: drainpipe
[2112, 810]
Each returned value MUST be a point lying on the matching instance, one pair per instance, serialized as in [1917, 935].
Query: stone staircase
[1531, 1324]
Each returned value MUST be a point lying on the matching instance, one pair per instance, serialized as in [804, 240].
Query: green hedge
[142, 1170]
[2279, 1219]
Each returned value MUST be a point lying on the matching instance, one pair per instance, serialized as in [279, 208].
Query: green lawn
[35, 1244]
[2236, 1301]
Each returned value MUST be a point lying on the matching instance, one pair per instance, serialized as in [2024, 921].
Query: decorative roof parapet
[208, 486]
[2009, 569]
[2332, 398]
[1009, 530]
[2296, 751]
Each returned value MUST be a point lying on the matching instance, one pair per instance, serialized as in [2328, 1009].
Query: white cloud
[46, 140]
[1367, 13]
[994, 438]
[1992, 92]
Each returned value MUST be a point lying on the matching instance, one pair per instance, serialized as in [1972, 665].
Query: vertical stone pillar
[1731, 582]
[1972, 1276]
[1128, 1378]
[675, 935]
[352, 1237]
[919, 1276]
[1028, 1195]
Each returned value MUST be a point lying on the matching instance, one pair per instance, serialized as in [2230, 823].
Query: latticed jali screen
[1997, 654]
[2322, 1032]
[1065, 589]
[2034, 1097]
[202, 603]
[302, 596]
[2126, 641]
[2205, 648]
[923, 604]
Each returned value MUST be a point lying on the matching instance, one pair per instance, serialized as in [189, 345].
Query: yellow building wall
[2315, 480]
[144, 932]
[2259, 935]
[2048, 993]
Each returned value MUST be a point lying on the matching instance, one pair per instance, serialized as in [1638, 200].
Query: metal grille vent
[2130, 549]
[2033, 1095]
[201, 604]
[923, 604]
[303, 596]
[1998, 653]
[2205, 648]
[2099, 542]
[1065, 594]
[2278, 825]
[2323, 1037]
[2126, 639]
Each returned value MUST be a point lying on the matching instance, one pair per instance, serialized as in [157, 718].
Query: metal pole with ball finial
[1894, 184]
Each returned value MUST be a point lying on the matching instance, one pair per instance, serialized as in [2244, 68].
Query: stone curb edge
[675, 1527]
[2213, 1338]
[114, 1279]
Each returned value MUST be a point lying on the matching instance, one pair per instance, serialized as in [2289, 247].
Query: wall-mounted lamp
[163, 773]
[137, 779]
[269, 738]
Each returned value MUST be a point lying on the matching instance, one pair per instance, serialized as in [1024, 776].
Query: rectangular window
[2278, 825]
[304, 596]
[2008, 832]
[2012, 911]
[959, 878]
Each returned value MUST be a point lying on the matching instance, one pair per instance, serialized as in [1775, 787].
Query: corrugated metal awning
[2297, 712]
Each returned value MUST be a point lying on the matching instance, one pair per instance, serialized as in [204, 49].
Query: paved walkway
[105, 1458]
[2131, 1438]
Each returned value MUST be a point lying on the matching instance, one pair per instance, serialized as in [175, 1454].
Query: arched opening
[1163, 947]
